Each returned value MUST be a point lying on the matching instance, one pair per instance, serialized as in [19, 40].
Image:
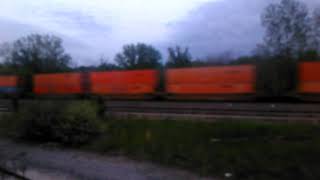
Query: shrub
[68, 123]
[35, 120]
[79, 123]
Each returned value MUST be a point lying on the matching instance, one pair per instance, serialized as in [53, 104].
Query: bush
[79, 123]
[68, 123]
[35, 120]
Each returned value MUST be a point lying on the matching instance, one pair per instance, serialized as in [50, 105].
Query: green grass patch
[248, 150]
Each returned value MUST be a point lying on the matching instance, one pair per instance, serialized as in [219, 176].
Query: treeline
[292, 33]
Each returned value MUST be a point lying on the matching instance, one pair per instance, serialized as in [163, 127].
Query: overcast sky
[92, 28]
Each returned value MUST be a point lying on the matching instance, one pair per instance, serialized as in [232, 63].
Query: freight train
[232, 82]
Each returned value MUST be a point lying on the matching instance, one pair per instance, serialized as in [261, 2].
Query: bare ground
[42, 162]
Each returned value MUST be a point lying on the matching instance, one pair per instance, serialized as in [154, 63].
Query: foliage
[247, 150]
[78, 124]
[34, 54]
[316, 29]
[224, 58]
[38, 54]
[289, 37]
[68, 123]
[139, 56]
[178, 58]
[5, 49]
[104, 65]
[35, 121]
[287, 28]
[245, 60]
[310, 55]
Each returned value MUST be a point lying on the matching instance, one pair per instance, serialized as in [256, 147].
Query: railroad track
[277, 111]
[6, 106]
[206, 110]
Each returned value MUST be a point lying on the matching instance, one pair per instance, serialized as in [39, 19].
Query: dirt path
[49, 163]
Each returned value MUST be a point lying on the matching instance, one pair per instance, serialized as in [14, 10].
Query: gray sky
[92, 28]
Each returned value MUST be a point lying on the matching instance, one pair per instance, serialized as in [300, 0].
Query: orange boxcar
[211, 80]
[135, 82]
[309, 77]
[57, 84]
[8, 81]
[8, 84]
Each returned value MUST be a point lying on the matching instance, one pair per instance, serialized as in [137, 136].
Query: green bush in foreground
[79, 123]
[70, 123]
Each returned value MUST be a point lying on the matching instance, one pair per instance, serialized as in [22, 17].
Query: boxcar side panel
[232, 74]
[124, 82]
[8, 81]
[9, 84]
[211, 80]
[61, 83]
[212, 89]
[309, 77]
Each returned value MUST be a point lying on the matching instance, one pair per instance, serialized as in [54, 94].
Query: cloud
[96, 27]
[91, 28]
[11, 30]
[223, 26]
[77, 21]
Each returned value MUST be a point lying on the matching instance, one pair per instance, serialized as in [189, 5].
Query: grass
[247, 150]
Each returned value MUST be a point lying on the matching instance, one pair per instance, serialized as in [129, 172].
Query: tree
[105, 65]
[287, 28]
[5, 49]
[262, 51]
[245, 60]
[288, 35]
[38, 54]
[178, 58]
[316, 28]
[34, 54]
[139, 56]
[310, 55]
